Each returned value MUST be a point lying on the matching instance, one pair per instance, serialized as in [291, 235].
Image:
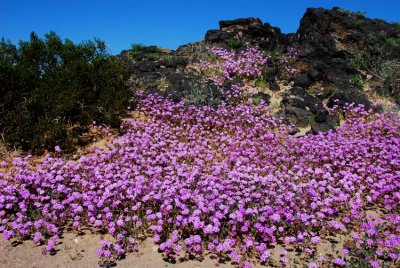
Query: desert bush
[374, 56]
[151, 57]
[139, 52]
[234, 43]
[389, 74]
[359, 13]
[51, 90]
[202, 94]
[135, 49]
[357, 80]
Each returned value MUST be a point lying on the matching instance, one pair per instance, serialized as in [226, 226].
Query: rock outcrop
[337, 53]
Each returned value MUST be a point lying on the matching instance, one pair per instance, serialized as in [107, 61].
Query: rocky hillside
[226, 177]
[343, 57]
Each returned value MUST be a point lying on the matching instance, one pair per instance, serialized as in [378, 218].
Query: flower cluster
[375, 235]
[230, 65]
[292, 55]
[228, 180]
[232, 71]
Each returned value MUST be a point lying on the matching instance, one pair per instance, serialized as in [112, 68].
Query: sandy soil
[80, 251]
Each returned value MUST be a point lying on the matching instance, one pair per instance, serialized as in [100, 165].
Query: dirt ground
[80, 252]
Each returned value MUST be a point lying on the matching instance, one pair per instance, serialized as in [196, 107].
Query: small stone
[302, 81]
[274, 86]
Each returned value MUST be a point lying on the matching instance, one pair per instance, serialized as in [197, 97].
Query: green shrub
[139, 51]
[359, 14]
[391, 42]
[389, 74]
[256, 100]
[388, 41]
[51, 91]
[357, 80]
[374, 55]
[356, 24]
[201, 94]
[261, 83]
[312, 119]
[135, 48]
[234, 43]
[344, 11]
[151, 57]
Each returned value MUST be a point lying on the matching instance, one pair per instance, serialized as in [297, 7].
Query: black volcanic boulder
[303, 109]
[242, 22]
[330, 122]
[298, 97]
[145, 66]
[302, 80]
[218, 36]
[333, 36]
[297, 116]
[316, 22]
[317, 127]
[262, 30]
[246, 31]
[330, 39]
[174, 61]
[274, 86]
[263, 96]
[349, 96]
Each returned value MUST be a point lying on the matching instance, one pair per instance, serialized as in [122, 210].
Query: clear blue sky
[163, 23]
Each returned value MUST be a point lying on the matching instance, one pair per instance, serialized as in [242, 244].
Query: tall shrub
[51, 90]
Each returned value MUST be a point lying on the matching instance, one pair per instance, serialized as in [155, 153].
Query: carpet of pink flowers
[233, 66]
[247, 64]
[228, 180]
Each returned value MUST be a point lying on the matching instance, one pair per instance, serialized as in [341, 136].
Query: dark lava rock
[239, 22]
[271, 73]
[315, 74]
[297, 91]
[317, 127]
[332, 120]
[302, 80]
[193, 52]
[320, 116]
[172, 61]
[217, 36]
[146, 66]
[314, 104]
[248, 31]
[265, 97]
[324, 93]
[298, 97]
[148, 80]
[274, 86]
[298, 116]
[349, 96]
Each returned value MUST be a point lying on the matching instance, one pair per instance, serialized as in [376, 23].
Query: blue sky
[163, 23]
